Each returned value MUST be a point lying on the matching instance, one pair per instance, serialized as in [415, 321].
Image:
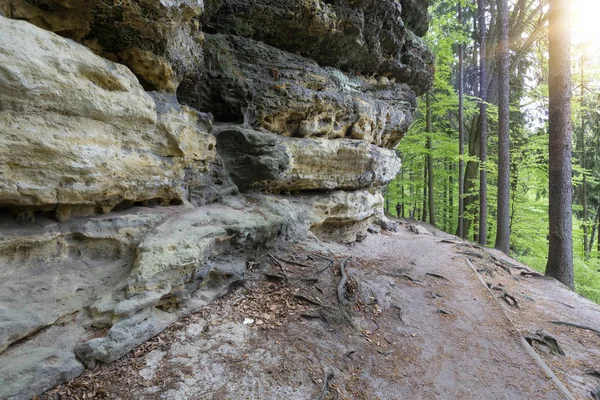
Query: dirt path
[418, 324]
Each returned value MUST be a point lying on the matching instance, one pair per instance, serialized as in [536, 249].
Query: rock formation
[150, 148]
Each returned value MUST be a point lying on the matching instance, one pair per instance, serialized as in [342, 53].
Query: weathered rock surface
[92, 261]
[262, 160]
[80, 135]
[159, 40]
[52, 270]
[123, 337]
[36, 371]
[367, 36]
[249, 81]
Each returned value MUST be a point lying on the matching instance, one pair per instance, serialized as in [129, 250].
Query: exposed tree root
[294, 262]
[325, 389]
[532, 274]
[572, 325]
[281, 266]
[341, 294]
[547, 340]
[596, 393]
[507, 297]
[437, 276]
[593, 372]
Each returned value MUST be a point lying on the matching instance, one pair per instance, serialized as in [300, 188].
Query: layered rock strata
[123, 209]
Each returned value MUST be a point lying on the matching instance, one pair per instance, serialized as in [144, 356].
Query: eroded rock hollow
[149, 148]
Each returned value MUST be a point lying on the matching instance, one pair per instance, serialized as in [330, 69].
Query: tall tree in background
[461, 133]
[503, 213]
[560, 251]
[483, 127]
[430, 176]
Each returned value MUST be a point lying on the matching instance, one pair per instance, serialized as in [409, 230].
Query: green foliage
[529, 153]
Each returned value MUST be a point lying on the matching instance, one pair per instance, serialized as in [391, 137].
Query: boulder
[366, 36]
[160, 41]
[344, 216]
[124, 337]
[37, 370]
[268, 162]
[81, 136]
[251, 82]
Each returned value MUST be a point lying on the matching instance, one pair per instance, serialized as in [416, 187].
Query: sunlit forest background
[528, 22]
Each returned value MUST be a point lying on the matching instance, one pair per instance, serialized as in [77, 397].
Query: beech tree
[503, 201]
[461, 133]
[560, 246]
[483, 126]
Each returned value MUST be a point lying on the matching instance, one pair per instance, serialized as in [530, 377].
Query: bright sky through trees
[586, 26]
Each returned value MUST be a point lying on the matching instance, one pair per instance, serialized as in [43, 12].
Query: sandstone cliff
[149, 148]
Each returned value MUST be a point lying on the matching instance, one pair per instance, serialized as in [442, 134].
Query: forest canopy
[429, 188]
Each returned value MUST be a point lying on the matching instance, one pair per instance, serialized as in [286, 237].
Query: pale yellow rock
[265, 161]
[78, 132]
[160, 40]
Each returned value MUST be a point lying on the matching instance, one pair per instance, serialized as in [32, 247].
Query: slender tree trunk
[470, 180]
[412, 194]
[430, 176]
[403, 201]
[560, 250]
[450, 196]
[425, 176]
[461, 134]
[483, 127]
[446, 197]
[503, 225]
[587, 246]
[594, 228]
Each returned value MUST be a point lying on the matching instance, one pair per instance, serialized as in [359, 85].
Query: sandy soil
[413, 321]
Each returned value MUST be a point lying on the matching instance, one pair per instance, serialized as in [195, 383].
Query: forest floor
[414, 314]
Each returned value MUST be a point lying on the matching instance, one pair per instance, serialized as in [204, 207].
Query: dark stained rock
[160, 41]
[262, 160]
[364, 36]
[248, 81]
[415, 15]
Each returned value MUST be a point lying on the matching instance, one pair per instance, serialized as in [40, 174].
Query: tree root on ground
[341, 294]
[572, 325]
[507, 297]
[547, 340]
[325, 389]
[437, 276]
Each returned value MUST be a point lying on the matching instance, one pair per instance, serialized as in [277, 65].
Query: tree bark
[425, 175]
[503, 221]
[461, 134]
[483, 127]
[470, 180]
[560, 250]
[450, 196]
[430, 176]
[587, 246]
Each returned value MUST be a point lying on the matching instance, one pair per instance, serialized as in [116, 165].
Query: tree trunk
[560, 250]
[424, 212]
[430, 177]
[594, 228]
[503, 225]
[483, 127]
[450, 196]
[461, 134]
[587, 246]
[470, 179]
